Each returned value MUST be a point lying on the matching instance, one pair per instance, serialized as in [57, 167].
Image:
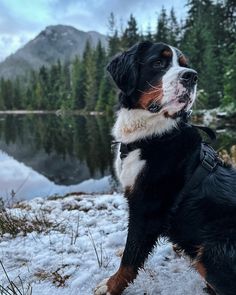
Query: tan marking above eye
[183, 61]
[166, 53]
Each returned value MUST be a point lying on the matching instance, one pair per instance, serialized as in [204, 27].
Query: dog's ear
[124, 68]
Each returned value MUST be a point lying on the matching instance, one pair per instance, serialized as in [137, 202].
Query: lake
[47, 154]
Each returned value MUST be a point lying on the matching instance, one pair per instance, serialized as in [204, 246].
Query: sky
[22, 20]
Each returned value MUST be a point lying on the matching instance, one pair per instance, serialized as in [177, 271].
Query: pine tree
[42, 88]
[78, 82]
[90, 74]
[230, 24]
[17, 95]
[229, 81]
[149, 35]
[7, 94]
[54, 86]
[174, 29]
[65, 96]
[31, 97]
[104, 92]
[162, 32]
[38, 95]
[2, 106]
[130, 36]
[113, 38]
[200, 43]
[100, 60]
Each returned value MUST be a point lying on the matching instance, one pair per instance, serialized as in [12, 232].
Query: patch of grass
[56, 277]
[14, 225]
[102, 260]
[14, 287]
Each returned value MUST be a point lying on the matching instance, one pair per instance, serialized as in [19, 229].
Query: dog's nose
[188, 77]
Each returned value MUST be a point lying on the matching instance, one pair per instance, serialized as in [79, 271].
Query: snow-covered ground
[78, 242]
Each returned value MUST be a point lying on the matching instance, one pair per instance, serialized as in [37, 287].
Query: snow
[61, 260]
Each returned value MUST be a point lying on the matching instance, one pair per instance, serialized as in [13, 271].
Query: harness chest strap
[209, 161]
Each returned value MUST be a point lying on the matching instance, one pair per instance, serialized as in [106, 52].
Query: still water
[42, 155]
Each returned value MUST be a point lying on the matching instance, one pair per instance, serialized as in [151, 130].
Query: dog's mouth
[184, 98]
[182, 102]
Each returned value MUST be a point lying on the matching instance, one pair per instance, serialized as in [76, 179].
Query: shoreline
[55, 112]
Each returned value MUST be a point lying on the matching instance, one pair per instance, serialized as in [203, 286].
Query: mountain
[53, 43]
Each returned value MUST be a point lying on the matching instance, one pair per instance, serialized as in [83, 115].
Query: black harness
[208, 162]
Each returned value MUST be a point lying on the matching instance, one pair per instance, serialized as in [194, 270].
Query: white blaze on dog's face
[157, 87]
[179, 85]
[166, 83]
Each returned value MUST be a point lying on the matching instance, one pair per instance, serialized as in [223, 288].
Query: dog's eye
[157, 64]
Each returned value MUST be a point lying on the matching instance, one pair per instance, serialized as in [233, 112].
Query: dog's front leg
[139, 244]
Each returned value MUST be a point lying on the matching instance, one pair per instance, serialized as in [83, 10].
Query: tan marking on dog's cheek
[150, 96]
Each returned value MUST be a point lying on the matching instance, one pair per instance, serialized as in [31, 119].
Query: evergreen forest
[207, 36]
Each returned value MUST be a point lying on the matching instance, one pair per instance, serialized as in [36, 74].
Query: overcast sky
[22, 20]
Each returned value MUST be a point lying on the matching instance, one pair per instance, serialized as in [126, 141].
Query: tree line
[207, 36]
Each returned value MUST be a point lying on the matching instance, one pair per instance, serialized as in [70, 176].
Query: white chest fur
[129, 168]
[134, 125]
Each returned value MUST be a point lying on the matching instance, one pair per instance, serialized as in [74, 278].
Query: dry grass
[56, 277]
[16, 287]
[24, 224]
[102, 259]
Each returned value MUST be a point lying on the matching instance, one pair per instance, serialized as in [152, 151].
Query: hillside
[53, 43]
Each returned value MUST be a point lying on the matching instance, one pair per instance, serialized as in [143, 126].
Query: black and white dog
[176, 186]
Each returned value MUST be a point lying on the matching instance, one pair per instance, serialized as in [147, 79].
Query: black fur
[132, 69]
[204, 220]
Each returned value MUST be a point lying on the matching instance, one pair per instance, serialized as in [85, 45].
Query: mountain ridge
[56, 42]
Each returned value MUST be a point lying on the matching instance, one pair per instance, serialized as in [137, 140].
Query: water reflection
[66, 150]
[46, 154]
[21, 182]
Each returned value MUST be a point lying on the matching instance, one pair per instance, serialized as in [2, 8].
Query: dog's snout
[188, 77]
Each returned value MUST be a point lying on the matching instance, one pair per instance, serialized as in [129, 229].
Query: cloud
[22, 20]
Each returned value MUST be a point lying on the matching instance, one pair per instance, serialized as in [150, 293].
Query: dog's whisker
[154, 87]
[148, 92]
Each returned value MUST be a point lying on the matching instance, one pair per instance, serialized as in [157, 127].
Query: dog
[175, 185]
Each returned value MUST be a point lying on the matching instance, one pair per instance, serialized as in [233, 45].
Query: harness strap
[209, 162]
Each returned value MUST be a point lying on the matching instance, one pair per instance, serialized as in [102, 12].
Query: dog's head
[154, 77]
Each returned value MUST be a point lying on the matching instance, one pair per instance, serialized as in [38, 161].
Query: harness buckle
[209, 162]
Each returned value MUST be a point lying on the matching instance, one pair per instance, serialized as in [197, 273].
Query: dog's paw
[102, 288]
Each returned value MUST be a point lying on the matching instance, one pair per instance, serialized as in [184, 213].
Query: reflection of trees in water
[85, 137]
